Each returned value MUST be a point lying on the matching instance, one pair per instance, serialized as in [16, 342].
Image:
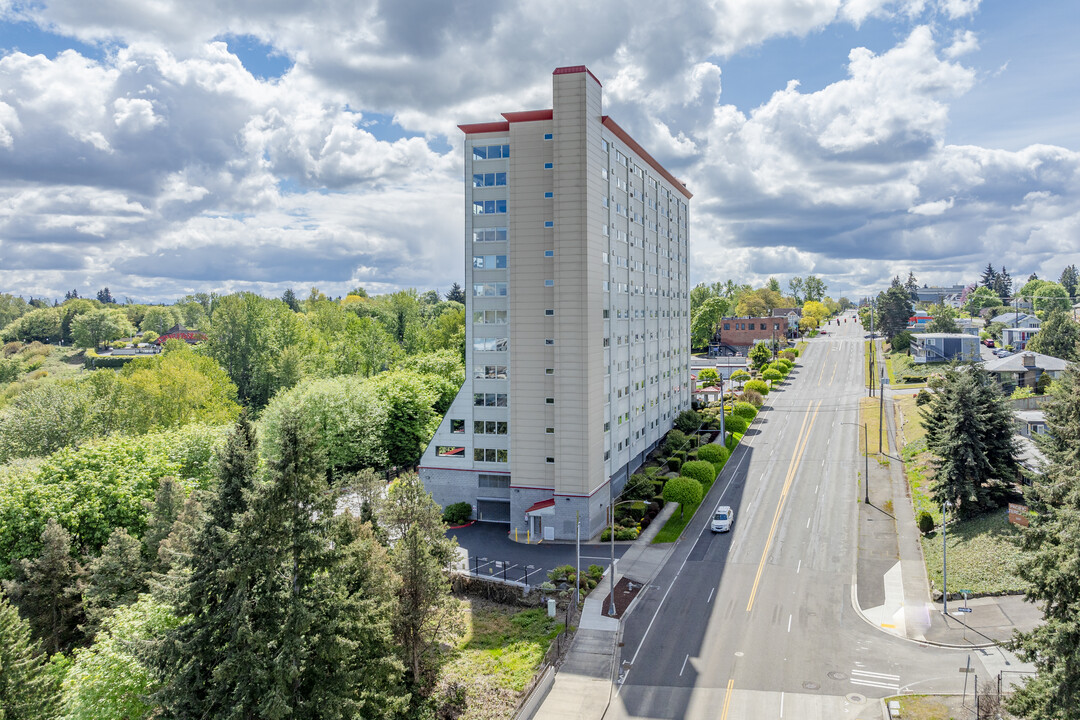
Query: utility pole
[944, 562]
[870, 370]
[881, 409]
[577, 574]
[723, 407]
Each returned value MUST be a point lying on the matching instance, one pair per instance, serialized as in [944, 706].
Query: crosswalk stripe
[887, 686]
[884, 676]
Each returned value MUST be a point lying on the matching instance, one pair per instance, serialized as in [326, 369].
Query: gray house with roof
[1024, 369]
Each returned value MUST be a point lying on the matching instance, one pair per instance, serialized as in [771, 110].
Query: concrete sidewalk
[891, 591]
[585, 680]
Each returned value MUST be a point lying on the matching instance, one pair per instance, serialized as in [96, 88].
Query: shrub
[659, 501]
[674, 463]
[926, 522]
[789, 355]
[796, 351]
[783, 365]
[758, 386]
[626, 534]
[745, 410]
[713, 453]
[700, 470]
[12, 347]
[639, 487]
[595, 572]
[740, 376]
[675, 441]
[753, 397]
[687, 421]
[923, 397]
[10, 370]
[683, 490]
[735, 424]
[118, 344]
[457, 513]
[681, 455]
[772, 374]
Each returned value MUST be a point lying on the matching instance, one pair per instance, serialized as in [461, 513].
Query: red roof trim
[574, 69]
[487, 127]
[529, 115]
[541, 505]
[633, 145]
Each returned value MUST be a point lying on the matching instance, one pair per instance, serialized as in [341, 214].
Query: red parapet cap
[529, 115]
[574, 69]
[488, 127]
[633, 145]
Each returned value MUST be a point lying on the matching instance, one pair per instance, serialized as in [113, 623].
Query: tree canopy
[1059, 336]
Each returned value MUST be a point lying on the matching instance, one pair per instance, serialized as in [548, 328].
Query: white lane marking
[807, 523]
[887, 686]
[816, 488]
[656, 612]
[798, 568]
[684, 664]
[789, 623]
[781, 703]
[883, 676]
[710, 596]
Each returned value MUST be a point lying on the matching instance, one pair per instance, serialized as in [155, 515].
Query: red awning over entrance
[541, 505]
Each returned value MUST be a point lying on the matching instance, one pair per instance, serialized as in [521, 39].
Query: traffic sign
[963, 609]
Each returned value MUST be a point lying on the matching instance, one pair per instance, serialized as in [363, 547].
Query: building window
[549, 283]
[449, 451]
[497, 289]
[489, 455]
[549, 371]
[490, 427]
[492, 481]
[549, 401]
[549, 253]
[549, 166]
[489, 235]
[489, 372]
[549, 224]
[549, 431]
[489, 207]
[489, 262]
[490, 152]
[489, 317]
[548, 136]
[549, 460]
[549, 194]
[488, 179]
[491, 344]
[549, 312]
[489, 399]
[457, 426]
[549, 341]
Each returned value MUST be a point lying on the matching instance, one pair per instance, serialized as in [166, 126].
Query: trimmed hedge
[93, 360]
[758, 386]
[674, 463]
[715, 454]
[736, 424]
[745, 410]
[700, 470]
[457, 513]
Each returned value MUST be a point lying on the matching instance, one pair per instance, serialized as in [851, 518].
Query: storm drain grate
[837, 675]
[810, 685]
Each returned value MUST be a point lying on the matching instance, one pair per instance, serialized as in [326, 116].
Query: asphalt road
[486, 549]
[758, 622]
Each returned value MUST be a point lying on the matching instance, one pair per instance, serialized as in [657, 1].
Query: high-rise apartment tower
[577, 317]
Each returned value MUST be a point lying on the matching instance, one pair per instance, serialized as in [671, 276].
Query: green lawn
[497, 656]
[677, 523]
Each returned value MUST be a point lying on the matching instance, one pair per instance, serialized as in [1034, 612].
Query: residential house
[1023, 369]
[944, 347]
[950, 295]
[1017, 338]
[792, 315]
[1016, 319]
[1030, 422]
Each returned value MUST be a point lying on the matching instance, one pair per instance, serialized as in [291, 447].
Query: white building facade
[577, 335]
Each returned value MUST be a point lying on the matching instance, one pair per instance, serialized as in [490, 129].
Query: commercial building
[739, 334]
[577, 340]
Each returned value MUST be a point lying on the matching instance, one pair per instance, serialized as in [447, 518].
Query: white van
[722, 518]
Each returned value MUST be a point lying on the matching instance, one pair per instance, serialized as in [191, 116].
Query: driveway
[486, 549]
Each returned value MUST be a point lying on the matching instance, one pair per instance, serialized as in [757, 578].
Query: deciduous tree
[1059, 336]
[683, 490]
[96, 327]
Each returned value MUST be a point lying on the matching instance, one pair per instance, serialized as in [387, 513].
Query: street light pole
[866, 459]
[611, 508]
[723, 406]
[944, 562]
[881, 410]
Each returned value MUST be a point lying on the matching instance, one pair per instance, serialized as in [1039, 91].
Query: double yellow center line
[793, 466]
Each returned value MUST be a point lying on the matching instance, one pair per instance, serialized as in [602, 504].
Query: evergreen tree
[289, 298]
[163, 511]
[28, 690]
[48, 590]
[912, 284]
[205, 655]
[172, 566]
[944, 319]
[894, 310]
[105, 297]
[989, 276]
[1051, 565]
[969, 428]
[456, 294]
[1003, 285]
[1070, 280]
[421, 555]
[117, 576]
[1059, 337]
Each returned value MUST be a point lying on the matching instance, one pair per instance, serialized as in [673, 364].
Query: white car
[722, 518]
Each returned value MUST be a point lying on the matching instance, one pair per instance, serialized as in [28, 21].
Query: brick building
[742, 333]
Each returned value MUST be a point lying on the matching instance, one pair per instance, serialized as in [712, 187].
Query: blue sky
[167, 148]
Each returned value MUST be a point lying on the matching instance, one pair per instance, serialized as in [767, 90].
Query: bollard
[551, 607]
[515, 535]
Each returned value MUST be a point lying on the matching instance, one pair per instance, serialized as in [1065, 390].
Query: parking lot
[485, 549]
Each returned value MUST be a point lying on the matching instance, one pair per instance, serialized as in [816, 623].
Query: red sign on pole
[1018, 514]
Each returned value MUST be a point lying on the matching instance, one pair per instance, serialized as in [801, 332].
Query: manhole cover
[855, 699]
[837, 675]
[810, 685]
